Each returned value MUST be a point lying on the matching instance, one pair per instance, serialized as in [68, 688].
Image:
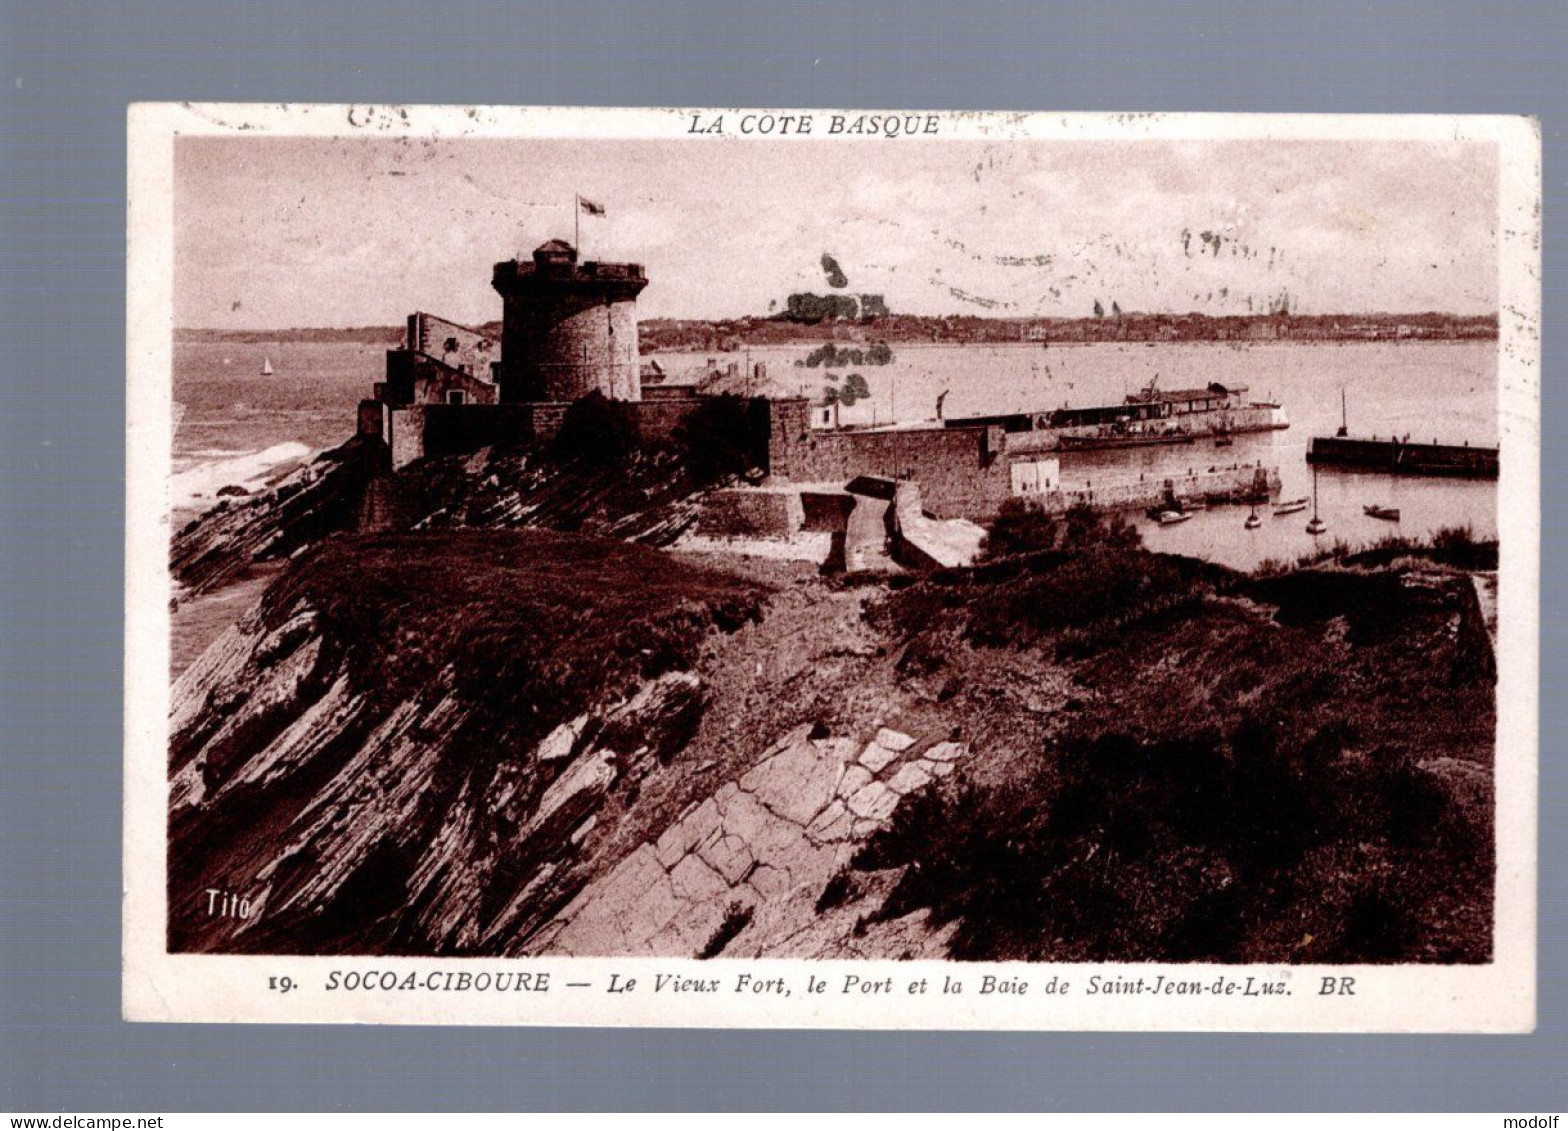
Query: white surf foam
[198, 486]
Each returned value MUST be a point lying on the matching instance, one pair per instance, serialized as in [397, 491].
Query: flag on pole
[590, 207]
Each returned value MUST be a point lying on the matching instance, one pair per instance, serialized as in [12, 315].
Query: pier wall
[1238, 484]
[1397, 457]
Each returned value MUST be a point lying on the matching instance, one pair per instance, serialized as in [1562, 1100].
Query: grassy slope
[1285, 769]
[529, 619]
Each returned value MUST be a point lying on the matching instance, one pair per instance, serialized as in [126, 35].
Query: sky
[283, 232]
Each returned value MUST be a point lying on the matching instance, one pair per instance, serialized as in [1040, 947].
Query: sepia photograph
[629, 555]
[850, 538]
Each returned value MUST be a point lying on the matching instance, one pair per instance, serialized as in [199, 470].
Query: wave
[199, 485]
[215, 453]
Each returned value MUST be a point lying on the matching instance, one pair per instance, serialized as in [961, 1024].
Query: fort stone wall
[962, 472]
[437, 429]
[751, 513]
[560, 346]
[460, 347]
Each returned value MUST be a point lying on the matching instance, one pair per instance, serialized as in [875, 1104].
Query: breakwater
[1399, 457]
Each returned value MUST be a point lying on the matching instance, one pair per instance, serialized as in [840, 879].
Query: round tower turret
[568, 328]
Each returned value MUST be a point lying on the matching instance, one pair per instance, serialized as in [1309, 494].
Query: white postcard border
[157, 986]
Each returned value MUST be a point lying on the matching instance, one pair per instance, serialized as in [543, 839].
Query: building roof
[1215, 389]
[555, 247]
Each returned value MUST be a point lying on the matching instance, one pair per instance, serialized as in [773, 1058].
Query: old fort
[569, 329]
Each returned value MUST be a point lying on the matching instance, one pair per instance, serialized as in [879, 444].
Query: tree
[724, 436]
[1099, 311]
[597, 430]
[1084, 528]
[1116, 310]
[1020, 527]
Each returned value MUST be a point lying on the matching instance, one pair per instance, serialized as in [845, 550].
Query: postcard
[832, 569]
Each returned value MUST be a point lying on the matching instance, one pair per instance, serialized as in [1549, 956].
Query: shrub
[1458, 546]
[737, 917]
[722, 437]
[1099, 587]
[1086, 528]
[1020, 527]
[597, 430]
[1187, 849]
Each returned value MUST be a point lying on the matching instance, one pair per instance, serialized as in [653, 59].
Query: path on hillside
[866, 537]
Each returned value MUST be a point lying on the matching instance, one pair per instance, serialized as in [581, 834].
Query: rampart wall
[444, 429]
[751, 513]
[961, 471]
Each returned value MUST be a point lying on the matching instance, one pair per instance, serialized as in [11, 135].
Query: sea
[238, 425]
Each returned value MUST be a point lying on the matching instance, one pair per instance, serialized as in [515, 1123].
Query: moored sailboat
[1315, 525]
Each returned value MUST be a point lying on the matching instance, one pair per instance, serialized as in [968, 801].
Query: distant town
[667, 334]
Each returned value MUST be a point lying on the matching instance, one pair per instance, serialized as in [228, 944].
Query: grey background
[69, 69]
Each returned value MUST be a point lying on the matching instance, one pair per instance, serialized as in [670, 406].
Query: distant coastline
[660, 335]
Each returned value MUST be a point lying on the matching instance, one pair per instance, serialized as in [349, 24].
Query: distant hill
[664, 334]
[369, 335]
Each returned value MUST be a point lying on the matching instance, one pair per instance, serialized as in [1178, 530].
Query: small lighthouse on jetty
[568, 328]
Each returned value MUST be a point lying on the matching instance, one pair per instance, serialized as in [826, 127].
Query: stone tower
[567, 327]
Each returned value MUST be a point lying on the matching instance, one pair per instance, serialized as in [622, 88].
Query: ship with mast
[1150, 416]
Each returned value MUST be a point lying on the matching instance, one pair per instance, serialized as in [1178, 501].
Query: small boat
[1315, 525]
[1171, 518]
[1253, 521]
[1223, 440]
[1389, 513]
[1290, 506]
[266, 367]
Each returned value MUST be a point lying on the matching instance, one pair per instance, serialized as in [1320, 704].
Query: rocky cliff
[501, 743]
[649, 497]
[512, 742]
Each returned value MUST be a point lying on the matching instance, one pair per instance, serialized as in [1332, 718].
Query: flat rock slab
[796, 783]
[562, 741]
[875, 802]
[910, 777]
[854, 778]
[768, 842]
[893, 740]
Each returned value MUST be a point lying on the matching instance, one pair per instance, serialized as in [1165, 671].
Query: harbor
[1426, 389]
